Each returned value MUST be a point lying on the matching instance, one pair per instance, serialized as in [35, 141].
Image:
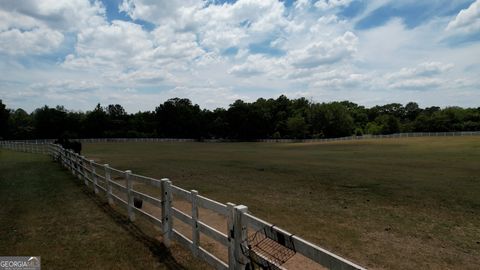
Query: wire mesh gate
[268, 249]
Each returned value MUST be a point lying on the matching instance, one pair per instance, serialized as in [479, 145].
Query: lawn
[47, 212]
[410, 203]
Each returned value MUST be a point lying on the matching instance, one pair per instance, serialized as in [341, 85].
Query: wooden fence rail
[118, 188]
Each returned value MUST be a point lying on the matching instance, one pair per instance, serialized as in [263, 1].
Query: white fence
[122, 188]
[348, 138]
[389, 136]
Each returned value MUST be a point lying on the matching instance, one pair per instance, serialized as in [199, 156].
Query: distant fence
[348, 138]
[248, 240]
[389, 136]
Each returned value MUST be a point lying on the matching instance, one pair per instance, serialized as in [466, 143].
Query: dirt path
[218, 222]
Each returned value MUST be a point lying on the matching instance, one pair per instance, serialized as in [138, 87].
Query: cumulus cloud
[218, 26]
[110, 46]
[255, 64]
[427, 69]
[467, 20]
[428, 76]
[22, 35]
[330, 4]
[37, 27]
[340, 79]
[216, 52]
[324, 52]
[67, 15]
[65, 86]
[35, 41]
[156, 11]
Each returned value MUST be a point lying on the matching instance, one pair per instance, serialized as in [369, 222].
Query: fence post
[166, 205]
[108, 186]
[131, 215]
[231, 237]
[94, 176]
[74, 163]
[65, 155]
[78, 162]
[195, 230]
[81, 169]
[70, 161]
[240, 236]
[80, 172]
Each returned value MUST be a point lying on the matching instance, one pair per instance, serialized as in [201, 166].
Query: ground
[404, 203]
[47, 212]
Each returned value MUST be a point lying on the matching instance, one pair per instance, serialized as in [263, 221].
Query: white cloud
[427, 69]
[216, 53]
[156, 11]
[22, 35]
[218, 26]
[65, 87]
[38, 27]
[66, 15]
[324, 52]
[117, 45]
[340, 79]
[255, 64]
[467, 20]
[425, 76]
[330, 4]
[35, 41]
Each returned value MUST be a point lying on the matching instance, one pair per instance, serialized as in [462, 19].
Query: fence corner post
[131, 214]
[195, 229]
[166, 211]
[108, 186]
[240, 236]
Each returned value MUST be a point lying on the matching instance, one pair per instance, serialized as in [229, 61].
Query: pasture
[46, 212]
[405, 203]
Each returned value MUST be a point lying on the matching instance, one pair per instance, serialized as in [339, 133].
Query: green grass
[46, 212]
[393, 203]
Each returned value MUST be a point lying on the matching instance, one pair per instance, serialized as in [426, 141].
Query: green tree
[21, 125]
[4, 116]
[49, 122]
[95, 123]
[297, 127]
[331, 120]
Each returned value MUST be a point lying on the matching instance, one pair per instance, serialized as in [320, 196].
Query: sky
[139, 53]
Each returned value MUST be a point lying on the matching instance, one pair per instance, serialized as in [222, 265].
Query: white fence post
[94, 177]
[74, 163]
[195, 229]
[166, 211]
[131, 214]
[108, 185]
[70, 161]
[240, 236]
[82, 169]
[231, 236]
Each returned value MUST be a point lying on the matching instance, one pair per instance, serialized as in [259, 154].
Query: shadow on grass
[158, 249]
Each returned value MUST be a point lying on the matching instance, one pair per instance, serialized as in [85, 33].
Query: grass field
[394, 203]
[45, 212]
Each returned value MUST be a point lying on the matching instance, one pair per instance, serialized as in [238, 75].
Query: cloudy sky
[141, 52]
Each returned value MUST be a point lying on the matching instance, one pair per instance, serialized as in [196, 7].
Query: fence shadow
[158, 249]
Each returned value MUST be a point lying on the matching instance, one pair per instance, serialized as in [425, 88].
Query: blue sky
[139, 53]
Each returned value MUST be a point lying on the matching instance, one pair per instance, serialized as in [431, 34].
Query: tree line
[264, 118]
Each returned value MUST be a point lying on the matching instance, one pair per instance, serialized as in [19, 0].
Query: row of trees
[264, 118]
